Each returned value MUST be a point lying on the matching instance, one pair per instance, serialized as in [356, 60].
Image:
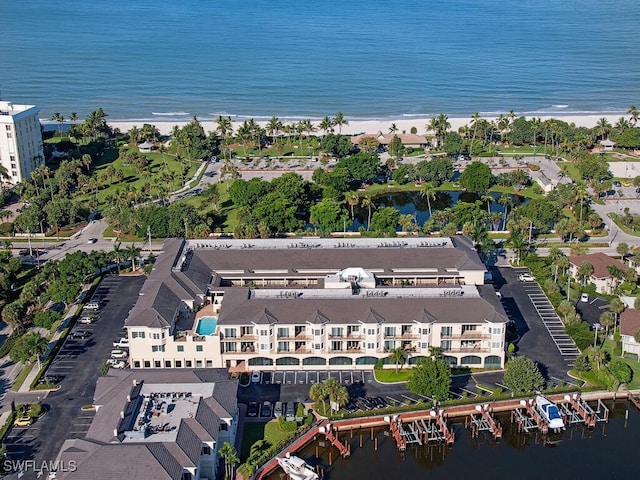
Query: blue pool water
[207, 325]
[168, 60]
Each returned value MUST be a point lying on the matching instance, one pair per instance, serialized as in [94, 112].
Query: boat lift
[484, 422]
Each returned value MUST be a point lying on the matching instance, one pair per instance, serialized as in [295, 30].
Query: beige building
[629, 325]
[601, 277]
[20, 140]
[155, 424]
[315, 304]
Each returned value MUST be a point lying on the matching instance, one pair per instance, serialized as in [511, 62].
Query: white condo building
[316, 303]
[20, 140]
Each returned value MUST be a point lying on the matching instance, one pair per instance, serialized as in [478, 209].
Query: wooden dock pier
[483, 422]
[331, 435]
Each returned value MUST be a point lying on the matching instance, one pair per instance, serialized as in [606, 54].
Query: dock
[331, 434]
[483, 422]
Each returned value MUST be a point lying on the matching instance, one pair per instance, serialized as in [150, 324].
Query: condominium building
[160, 424]
[316, 303]
[20, 140]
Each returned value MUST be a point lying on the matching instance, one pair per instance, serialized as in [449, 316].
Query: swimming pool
[207, 325]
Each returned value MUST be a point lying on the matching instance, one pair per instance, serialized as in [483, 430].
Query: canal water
[609, 451]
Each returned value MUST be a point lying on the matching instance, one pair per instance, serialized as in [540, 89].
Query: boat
[296, 468]
[550, 412]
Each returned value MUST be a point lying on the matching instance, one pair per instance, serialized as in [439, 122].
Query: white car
[114, 363]
[119, 354]
[87, 320]
[526, 277]
[122, 343]
[255, 377]
[584, 297]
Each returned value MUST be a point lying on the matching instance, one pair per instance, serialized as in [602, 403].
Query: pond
[413, 203]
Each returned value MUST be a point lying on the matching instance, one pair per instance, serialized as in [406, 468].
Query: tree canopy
[476, 177]
[431, 377]
[523, 375]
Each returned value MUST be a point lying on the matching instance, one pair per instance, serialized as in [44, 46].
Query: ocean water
[161, 59]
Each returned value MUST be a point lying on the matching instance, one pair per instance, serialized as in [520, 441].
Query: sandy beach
[370, 126]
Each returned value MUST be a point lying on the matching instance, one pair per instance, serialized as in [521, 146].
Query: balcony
[468, 350]
[403, 336]
[248, 338]
[467, 336]
[302, 337]
[239, 352]
[351, 336]
[348, 350]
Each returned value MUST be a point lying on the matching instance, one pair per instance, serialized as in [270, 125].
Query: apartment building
[20, 140]
[160, 424]
[317, 303]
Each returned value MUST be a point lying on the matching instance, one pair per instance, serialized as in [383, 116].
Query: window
[496, 345]
[229, 332]
[136, 364]
[336, 332]
[147, 364]
[157, 348]
[445, 345]
[371, 345]
[317, 346]
[263, 332]
[9, 135]
[198, 363]
[167, 364]
[283, 346]
[424, 345]
[198, 348]
[178, 363]
[188, 363]
[8, 128]
[496, 330]
[425, 331]
[180, 348]
[206, 450]
[446, 331]
[223, 426]
[264, 346]
[371, 331]
[157, 363]
[137, 334]
[283, 332]
[389, 331]
[209, 363]
[156, 336]
[336, 346]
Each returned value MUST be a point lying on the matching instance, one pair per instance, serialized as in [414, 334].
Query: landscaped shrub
[581, 334]
[46, 319]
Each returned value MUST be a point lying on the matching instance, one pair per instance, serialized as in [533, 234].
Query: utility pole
[149, 233]
[568, 285]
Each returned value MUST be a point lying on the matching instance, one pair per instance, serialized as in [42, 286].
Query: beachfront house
[384, 139]
[601, 277]
[145, 147]
[629, 326]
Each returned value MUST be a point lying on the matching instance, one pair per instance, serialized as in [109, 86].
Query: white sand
[373, 126]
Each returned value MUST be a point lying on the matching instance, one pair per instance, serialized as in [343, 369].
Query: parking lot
[297, 377]
[77, 366]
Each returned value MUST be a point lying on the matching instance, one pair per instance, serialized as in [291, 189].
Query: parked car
[117, 353]
[266, 410]
[252, 411]
[255, 377]
[584, 297]
[87, 320]
[92, 241]
[526, 277]
[277, 409]
[23, 421]
[115, 363]
[81, 334]
[92, 306]
[122, 343]
[597, 326]
[291, 411]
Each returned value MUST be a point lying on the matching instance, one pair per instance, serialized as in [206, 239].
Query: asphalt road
[80, 362]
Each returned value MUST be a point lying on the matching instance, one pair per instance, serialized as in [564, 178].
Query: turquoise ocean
[374, 59]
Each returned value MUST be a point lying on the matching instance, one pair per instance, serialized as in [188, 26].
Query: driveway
[80, 363]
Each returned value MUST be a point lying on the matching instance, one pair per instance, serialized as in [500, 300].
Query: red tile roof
[600, 262]
[630, 321]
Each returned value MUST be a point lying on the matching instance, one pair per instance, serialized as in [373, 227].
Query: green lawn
[254, 431]
[571, 170]
[609, 346]
[390, 376]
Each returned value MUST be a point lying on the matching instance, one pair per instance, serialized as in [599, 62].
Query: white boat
[296, 468]
[550, 412]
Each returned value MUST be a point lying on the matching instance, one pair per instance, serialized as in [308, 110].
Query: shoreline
[357, 126]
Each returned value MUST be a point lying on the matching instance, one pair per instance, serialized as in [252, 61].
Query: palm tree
[35, 344]
[635, 114]
[488, 199]
[427, 191]
[393, 128]
[318, 393]
[339, 121]
[398, 356]
[608, 320]
[132, 252]
[326, 125]
[505, 200]
[368, 203]
[116, 254]
[440, 125]
[603, 127]
[475, 118]
[352, 199]
[57, 117]
[340, 396]
[617, 307]
[230, 456]
[536, 124]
